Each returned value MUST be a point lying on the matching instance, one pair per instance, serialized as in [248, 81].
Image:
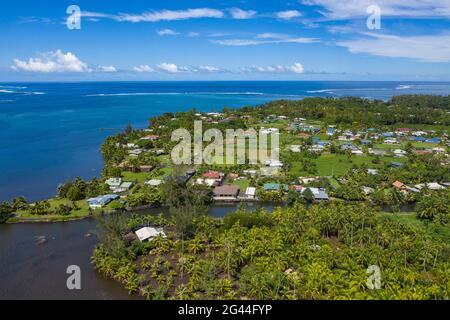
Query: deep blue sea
[50, 132]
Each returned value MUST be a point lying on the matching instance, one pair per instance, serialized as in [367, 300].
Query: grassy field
[338, 165]
[417, 145]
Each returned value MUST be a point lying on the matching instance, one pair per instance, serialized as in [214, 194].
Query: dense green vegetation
[293, 253]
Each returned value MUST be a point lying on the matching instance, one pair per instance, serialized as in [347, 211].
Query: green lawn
[241, 183]
[139, 177]
[83, 211]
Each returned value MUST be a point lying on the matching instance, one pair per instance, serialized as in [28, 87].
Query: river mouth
[32, 270]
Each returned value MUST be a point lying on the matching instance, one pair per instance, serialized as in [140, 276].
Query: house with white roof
[148, 233]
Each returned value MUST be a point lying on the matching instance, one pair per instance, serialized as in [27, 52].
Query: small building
[304, 135]
[320, 196]
[367, 190]
[114, 182]
[226, 193]
[145, 168]
[216, 175]
[135, 152]
[399, 185]
[274, 163]
[124, 186]
[269, 171]
[153, 182]
[148, 233]
[208, 182]
[396, 164]
[150, 137]
[251, 173]
[274, 187]
[433, 140]
[399, 152]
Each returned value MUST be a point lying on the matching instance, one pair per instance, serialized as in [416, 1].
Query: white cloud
[338, 9]
[170, 68]
[296, 68]
[272, 36]
[240, 14]
[143, 69]
[193, 34]
[434, 48]
[209, 69]
[290, 14]
[106, 69]
[166, 32]
[54, 61]
[170, 15]
[264, 38]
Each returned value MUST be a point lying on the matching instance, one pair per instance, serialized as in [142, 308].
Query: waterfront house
[226, 193]
[101, 201]
[249, 194]
[148, 233]
[319, 194]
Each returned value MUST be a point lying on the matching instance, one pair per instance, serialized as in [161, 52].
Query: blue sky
[225, 40]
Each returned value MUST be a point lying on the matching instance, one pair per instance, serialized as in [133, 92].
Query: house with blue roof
[331, 131]
[433, 140]
[101, 201]
[417, 139]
